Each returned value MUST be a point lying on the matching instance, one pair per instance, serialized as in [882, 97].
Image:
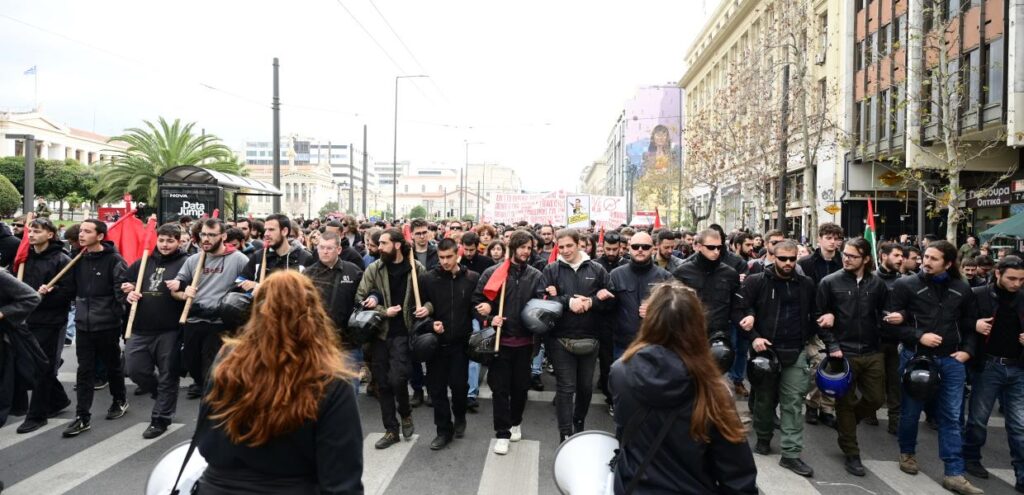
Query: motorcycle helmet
[921, 378]
[763, 367]
[834, 377]
[235, 308]
[723, 353]
[422, 326]
[481, 346]
[364, 326]
[540, 315]
[423, 346]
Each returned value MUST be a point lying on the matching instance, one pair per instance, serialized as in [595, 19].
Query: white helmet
[161, 479]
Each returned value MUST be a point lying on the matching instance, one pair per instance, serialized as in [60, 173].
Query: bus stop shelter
[197, 191]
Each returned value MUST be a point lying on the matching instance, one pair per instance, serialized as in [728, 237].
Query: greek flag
[31, 71]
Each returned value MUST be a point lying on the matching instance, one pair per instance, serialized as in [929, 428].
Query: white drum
[581, 464]
[161, 479]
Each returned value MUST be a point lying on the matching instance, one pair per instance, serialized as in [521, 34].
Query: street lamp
[463, 180]
[394, 150]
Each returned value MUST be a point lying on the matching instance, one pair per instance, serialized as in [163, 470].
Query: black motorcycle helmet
[423, 346]
[364, 326]
[921, 378]
[540, 315]
[763, 367]
[422, 326]
[481, 346]
[722, 352]
[235, 308]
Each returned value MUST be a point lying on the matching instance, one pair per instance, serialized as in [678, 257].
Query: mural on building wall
[653, 135]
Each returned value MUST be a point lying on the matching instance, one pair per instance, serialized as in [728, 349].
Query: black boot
[797, 466]
[577, 426]
[854, 466]
[440, 442]
[417, 398]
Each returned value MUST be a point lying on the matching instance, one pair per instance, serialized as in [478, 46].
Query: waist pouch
[787, 357]
[579, 347]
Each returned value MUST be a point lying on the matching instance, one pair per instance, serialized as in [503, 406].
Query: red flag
[493, 287]
[554, 255]
[128, 234]
[407, 232]
[216, 213]
[149, 240]
[657, 218]
[600, 237]
[21, 256]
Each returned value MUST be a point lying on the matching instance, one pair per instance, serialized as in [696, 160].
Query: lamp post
[394, 152]
[463, 181]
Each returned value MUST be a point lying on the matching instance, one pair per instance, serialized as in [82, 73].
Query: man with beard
[204, 327]
[663, 258]
[743, 246]
[99, 307]
[610, 259]
[337, 281]
[448, 290]
[387, 289]
[372, 238]
[471, 257]
[824, 261]
[156, 336]
[581, 286]
[779, 310]
[282, 255]
[771, 238]
[911, 261]
[934, 306]
[716, 283]
[547, 244]
[46, 258]
[509, 374]
[851, 302]
[890, 260]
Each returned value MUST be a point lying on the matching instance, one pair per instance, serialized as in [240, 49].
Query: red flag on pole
[128, 234]
[493, 286]
[216, 213]
[149, 239]
[407, 232]
[554, 254]
[21, 256]
[600, 237]
[657, 218]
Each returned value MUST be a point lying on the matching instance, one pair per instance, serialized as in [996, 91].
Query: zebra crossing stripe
[72, 377]
[73, 471]
[1006, 475]
[903, 483]
[9, 436]
[380, 466]
[774, 479]
[535, 396]
[515, 472]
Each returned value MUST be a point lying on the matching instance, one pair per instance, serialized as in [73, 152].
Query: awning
[1011, 227]
[191, 174]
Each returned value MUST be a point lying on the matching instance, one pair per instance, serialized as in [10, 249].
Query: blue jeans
[355, 361]
[536, 367]
[741, 343]
[474, 370]
[71, 323]
[991, 381]
[948, 406]
[617, 352]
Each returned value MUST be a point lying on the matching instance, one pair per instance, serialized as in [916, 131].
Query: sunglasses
[715, 247]
[641, 247]
[786, 259]
[19, 225]
[456, 228]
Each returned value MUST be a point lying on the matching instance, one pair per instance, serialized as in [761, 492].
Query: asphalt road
[113, 458]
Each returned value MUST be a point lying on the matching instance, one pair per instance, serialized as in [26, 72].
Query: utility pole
[275, 105]
[479, 199]
[783, 150]
[351, 181]
[364, 171]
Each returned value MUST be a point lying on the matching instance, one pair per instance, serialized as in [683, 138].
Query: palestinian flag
[869, 233]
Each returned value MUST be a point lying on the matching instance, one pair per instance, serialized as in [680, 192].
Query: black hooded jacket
[762, 298]
[718, 286]
[157, 311]
[631, 283]
[817, 267]
[297, 257]
[656, 379]
[8, 245]
[99, 301]
[524, 283]
[587, 280]
[337, 285]
[450, 296]
[39, 270]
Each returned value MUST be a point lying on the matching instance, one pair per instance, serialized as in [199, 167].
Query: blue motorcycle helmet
[834, 377]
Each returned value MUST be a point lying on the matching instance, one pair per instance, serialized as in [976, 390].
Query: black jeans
[92, 347]
[202, 343]
[160, 351]
[574, 376]
[448, 370]
[509, 379]
[391, 372]
[604, 360]
[891, 352]
[48, 396]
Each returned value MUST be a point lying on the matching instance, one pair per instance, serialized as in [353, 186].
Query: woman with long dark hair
[496, 250]
[675, 418]
[280, 415]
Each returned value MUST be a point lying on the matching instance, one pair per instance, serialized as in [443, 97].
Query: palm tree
[153, 151]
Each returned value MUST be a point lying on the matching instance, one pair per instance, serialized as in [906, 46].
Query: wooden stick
[263, 264]
[138, 284]
[415, 282]
[501, 309]
[21, 271]
[67, 267]
[195, 284]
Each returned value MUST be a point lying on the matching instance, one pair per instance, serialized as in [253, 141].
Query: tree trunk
[60, 209]
[953, 211]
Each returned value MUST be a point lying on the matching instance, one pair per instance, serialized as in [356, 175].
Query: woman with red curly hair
[280, 412]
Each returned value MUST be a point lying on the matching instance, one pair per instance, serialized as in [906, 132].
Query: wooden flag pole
[415, 282]
[138, 284]
[501, 309]
[195, 284]
[263, 264]
[21, 270]
[67, 268]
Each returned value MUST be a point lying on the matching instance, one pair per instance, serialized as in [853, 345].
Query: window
[872, 119]
[423, 188]
[993, 82]
[869, 47]
[883, 40]
[883, 115]
[858, 56]
[822, 37]
[972, 77]
[897, 103]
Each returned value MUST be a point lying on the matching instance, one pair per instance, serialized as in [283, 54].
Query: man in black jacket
[17, 301]
[45, 259]
[282, 255]
[851, 302]
[716, 283]
[337, 281]
[449, 290]
[99, 309]
[890, 259]
[471, 258]
[8, 245]
[779, 312]
[156, 335]
[425, 253]
[509, 374]
[610, 259]
[581, 285]
[934, 319]
[824, 261]
[998, 369]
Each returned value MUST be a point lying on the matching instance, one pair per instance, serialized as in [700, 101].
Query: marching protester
[348, 252]
[933, 307]
[779, 315]
[998, 368]
[256, 443]
[509, 374]
[46, 258]
[581, 286]
[911, 260]
[426, 255]
[609, 259]
[890, 260]
[217, 276]
[98, 319]
[156, 336]
[447, 290]
[630, 284]
[281, 254]
[547, 244]
[851, 302]
[822, 262]
[667, 381]
[386, 288]
[337, 281]
[472, 258]
[663, 257]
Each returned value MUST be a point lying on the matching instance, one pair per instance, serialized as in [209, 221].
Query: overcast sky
[538, 83]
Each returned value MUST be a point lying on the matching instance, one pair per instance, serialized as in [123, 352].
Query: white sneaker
[517, 433]
[501, 446]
